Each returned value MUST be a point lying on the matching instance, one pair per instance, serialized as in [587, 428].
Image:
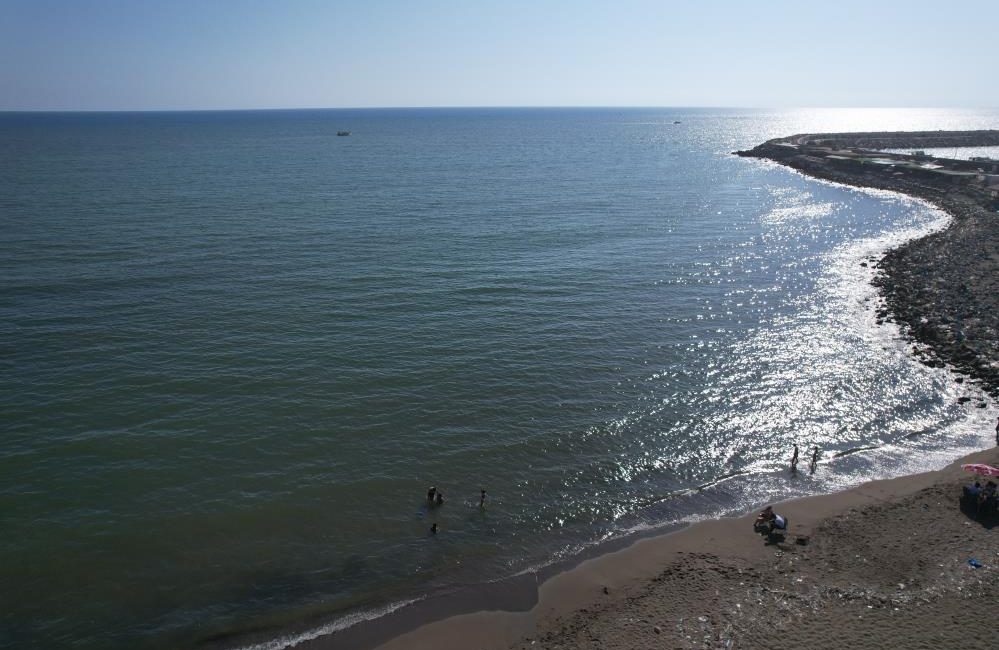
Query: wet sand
[883, 565]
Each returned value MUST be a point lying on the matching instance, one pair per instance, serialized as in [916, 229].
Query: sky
[234, 54]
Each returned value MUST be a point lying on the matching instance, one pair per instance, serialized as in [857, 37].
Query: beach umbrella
[979, 468]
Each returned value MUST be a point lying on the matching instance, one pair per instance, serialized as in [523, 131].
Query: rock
[945, 279]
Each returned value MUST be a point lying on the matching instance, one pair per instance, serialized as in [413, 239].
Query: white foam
[292, 640]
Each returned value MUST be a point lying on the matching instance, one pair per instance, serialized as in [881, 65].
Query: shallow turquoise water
[237, 349]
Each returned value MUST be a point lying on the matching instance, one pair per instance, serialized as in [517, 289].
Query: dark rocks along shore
[944, 288]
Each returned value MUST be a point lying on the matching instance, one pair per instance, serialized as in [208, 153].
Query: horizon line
[479, 107]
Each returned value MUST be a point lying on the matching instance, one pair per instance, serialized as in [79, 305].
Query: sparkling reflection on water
[242, 348]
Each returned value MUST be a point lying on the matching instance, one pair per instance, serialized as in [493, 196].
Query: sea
[238, 349]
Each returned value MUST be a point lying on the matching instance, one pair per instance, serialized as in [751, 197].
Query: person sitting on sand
[764, 519]
[769, 521]
[969, 497]
[972, 491]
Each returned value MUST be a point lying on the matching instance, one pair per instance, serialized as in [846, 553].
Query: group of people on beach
[815, 455]
[435, 499]
[811, 465]
[984, 500]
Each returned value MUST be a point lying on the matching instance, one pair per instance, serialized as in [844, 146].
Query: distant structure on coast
[861, 155]
[926, 283]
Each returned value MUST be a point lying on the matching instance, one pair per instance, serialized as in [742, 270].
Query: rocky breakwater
[943, 288]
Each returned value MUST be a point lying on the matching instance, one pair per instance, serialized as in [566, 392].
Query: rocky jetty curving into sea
[943, 288]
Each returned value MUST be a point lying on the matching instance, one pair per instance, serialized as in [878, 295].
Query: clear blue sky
[181, 54]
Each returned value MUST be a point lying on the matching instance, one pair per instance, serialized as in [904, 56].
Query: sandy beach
[882, 565]
[495, 326]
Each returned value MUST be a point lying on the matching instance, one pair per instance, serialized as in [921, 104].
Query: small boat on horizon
[343, 132]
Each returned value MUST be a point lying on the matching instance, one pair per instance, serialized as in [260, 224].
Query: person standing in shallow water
[482, 499]
[794, 461]
[815, 460]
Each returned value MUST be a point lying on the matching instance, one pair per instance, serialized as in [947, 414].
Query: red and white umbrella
[979, 468]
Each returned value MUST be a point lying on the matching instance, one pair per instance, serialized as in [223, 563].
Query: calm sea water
[237, 350]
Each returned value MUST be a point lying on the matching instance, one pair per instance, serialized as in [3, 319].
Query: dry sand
[885, 566]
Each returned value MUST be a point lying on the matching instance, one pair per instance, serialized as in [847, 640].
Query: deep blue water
[237, 350]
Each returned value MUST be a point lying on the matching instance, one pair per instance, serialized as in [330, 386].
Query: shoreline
[605, 601]
[666, 589]
[943, 288]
